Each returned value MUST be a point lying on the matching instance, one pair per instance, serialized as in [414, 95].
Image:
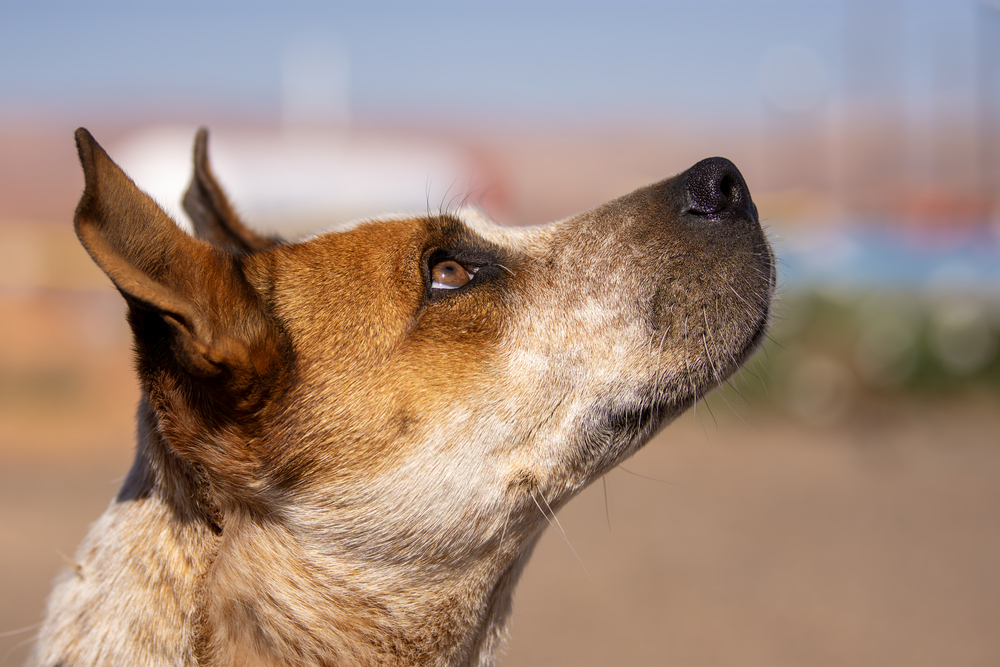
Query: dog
[348, 446]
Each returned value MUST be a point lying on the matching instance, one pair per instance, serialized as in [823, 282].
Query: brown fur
[338, 464]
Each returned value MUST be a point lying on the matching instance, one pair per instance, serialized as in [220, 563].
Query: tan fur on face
[341, 465]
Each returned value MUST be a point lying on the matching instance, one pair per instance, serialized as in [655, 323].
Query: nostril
[715, 186]
[726, 187]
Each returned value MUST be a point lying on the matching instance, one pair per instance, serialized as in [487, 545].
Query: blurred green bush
[830, 351]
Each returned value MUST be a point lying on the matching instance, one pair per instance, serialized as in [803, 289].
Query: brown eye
[449, 275]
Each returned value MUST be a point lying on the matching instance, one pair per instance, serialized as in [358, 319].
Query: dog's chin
[612, 433]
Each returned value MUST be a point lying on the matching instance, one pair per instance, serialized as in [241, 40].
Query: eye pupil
[449, 275]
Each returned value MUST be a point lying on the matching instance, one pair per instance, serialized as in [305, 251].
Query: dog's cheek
[561, 363]
[457, 337]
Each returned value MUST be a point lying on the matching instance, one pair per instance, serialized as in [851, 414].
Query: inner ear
[213, 216]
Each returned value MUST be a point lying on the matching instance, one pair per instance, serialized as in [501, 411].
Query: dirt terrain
[873, 541]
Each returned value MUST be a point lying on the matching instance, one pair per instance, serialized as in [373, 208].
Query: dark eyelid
[470, 259]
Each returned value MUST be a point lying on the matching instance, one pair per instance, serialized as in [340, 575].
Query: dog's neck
[138, 568]
[269, 596]
[239, 590]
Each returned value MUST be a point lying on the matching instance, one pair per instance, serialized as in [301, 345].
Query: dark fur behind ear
[213, 216]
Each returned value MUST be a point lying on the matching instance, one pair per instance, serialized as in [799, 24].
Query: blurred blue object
[892, 256]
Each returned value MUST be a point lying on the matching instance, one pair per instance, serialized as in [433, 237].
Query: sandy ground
[875, 541]
[780, 545]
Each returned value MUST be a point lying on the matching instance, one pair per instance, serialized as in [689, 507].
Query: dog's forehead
[470, 218]
[333, 282]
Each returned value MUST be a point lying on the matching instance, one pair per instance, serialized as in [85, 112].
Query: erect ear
[213, 216]
[196, 289]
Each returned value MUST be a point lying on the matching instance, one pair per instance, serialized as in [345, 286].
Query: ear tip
[200, 149]
[85, 148]
[92, 156]
[96, 166]
[85, 143]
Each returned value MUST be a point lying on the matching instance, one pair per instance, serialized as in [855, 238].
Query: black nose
[716, 189]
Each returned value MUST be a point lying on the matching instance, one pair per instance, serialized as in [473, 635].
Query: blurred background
[838, 503]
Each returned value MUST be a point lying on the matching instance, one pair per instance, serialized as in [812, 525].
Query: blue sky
[456, 60]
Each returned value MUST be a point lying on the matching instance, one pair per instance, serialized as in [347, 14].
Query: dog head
[421, 393]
